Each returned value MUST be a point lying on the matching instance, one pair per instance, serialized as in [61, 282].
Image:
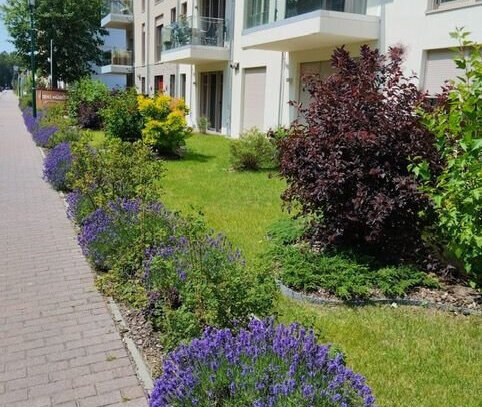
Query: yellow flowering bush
[165, 125]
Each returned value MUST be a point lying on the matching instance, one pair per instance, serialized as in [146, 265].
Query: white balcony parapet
[295, 25]
[117, 61]
[193, 41]
[117, 14]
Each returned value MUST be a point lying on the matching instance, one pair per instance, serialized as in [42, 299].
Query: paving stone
[57, 338]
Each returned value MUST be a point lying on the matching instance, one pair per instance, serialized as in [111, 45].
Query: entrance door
[159, 84]
[211, 98]
[254, 98]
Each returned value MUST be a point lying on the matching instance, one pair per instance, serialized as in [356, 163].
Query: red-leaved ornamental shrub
[348, 163]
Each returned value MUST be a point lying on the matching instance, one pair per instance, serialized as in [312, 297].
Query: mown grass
[241, 205]
[411, 357]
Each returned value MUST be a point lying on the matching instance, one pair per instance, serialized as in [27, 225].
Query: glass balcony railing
[117, 56]
[206, 31]
[260, 12]
[122, 7]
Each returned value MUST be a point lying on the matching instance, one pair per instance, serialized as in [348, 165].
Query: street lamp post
[31, 5]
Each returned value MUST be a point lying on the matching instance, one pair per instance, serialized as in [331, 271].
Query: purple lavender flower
[104, 229]
[57, 164]
[73, 200]
[253, 366]
[42, 135]
[31, 123]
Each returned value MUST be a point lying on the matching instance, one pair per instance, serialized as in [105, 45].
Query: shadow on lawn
[190, 155]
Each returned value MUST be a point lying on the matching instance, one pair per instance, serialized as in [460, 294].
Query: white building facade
[239, 62]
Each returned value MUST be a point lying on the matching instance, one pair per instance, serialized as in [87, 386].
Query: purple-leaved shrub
[261, 366]
[56, 165]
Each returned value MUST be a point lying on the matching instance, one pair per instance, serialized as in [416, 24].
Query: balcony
[194, 41]
[117, 14]
[117, 61]
[297, 25]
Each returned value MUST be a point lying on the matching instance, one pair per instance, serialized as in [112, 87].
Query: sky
[4, 44]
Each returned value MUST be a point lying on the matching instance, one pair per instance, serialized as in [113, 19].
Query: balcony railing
[122, 7]
[205, 31]
[260, 12]
[117, 56]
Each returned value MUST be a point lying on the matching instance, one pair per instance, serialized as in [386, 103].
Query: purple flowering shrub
[79, 206]
[116, 235]
[195, 279]
[56, 165]
[31, 122]
[42, 135]
[261, 366]
[105, 230]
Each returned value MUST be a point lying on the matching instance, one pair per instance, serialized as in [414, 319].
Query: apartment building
[239, 62]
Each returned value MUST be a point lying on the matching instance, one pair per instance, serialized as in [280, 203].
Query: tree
[7, 62]
[348, 166]
[456, 192]
[74, 26]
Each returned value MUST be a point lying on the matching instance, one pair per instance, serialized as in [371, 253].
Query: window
[143, 85]
[173, 14]
[143, 39]
[183, 86]
[172, 86]
[184, 9]
[439, 67]
[158, 37]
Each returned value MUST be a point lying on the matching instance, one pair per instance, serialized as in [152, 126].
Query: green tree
[7, 62]
[74, 26]
[457, 191]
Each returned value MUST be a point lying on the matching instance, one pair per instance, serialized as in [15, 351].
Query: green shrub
[457, 192]
[203, 124]
[165, 126]
[57, 115]
[253, 151]
[121, 116]
[86, 98]
[25, 101]
[70, 134]
[340, 273]
[114, 169]
[195, 279]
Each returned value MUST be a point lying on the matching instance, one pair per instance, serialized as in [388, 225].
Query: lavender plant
[105, 229]
[56, 165]
[31, 122]
[196, 279]
[42, 135]
[261, 366]
[78, 206]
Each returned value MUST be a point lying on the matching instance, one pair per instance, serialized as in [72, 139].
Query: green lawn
[411, 357]
[241, 205]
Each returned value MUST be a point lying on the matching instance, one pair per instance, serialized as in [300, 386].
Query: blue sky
[4, 44]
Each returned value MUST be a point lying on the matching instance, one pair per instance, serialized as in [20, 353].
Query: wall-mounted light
[234, 65]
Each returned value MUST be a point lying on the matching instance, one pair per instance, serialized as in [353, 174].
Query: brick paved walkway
[58, 343]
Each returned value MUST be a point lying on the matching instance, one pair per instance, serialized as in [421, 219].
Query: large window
[172, 86]
[183, 86]
[143, 39]
[159, 27]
